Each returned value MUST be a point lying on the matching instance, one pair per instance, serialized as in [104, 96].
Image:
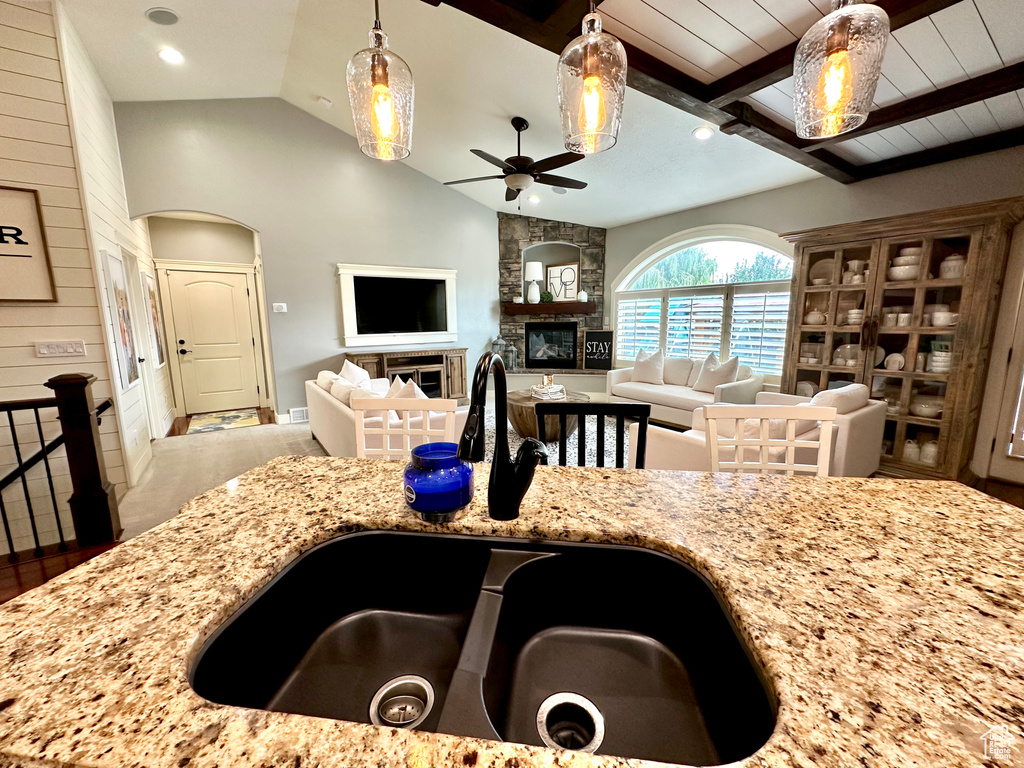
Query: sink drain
[570, 721]
[403, 702]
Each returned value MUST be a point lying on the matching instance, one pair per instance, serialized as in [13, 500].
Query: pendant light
[836, 69]
[380, 91]
[591, 87]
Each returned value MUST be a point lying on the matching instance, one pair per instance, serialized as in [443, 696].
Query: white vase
[582, 296]
[533, 293]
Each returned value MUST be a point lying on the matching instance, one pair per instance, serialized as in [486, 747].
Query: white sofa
[674, 403]
[857, 436]
[334, 424]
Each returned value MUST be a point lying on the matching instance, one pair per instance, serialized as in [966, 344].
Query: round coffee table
[521, 413]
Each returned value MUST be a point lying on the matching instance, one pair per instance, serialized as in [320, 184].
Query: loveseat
[675, 403]
[333, 423]
[857, 435]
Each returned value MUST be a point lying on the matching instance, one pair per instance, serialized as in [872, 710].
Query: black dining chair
[621, 411]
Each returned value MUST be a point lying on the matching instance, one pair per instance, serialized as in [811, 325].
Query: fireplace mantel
[550, 308]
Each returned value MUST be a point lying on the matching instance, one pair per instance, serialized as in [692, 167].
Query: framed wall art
[564, 281]
[25, 271]
[155, 319]
[121, 320]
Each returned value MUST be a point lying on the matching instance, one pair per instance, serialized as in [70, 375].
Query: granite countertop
[886, 613]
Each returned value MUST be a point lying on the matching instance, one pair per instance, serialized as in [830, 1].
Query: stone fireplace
[516, 233]
[551, 345]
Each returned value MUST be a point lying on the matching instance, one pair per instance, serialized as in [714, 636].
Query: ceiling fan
[519, 171]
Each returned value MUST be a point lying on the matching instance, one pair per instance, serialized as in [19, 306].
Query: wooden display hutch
[840, 350]
[438, 372]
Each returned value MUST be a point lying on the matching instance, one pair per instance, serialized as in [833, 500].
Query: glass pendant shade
[380, 91]
[836, 69]
[591, 88]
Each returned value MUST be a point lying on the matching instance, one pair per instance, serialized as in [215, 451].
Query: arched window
[724, 295]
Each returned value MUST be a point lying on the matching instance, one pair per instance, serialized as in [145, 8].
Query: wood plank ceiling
[952, 80]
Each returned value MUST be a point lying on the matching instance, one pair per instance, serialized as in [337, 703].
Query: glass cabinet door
[917, 306]
[836, 289]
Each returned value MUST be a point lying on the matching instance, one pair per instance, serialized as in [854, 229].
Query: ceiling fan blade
[556, 161]
[493, 160]
[560, 181]
[478, 178]
[511, 194]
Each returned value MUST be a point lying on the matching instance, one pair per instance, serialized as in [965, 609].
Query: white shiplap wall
[106, 206]
[36, 151]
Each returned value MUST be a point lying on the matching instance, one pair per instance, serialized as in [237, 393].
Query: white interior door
[1008, 457]
[214, 340]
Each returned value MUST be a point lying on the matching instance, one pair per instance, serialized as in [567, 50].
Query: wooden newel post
[93, 501]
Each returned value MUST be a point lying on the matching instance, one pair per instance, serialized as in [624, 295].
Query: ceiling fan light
[591, 88]
[381, 93]
[836, 69]
[519, 181]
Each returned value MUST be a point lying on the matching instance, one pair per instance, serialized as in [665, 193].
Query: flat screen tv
[400, 305]
[397, 305]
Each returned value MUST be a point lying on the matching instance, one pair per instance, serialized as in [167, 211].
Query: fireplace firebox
[550, 345]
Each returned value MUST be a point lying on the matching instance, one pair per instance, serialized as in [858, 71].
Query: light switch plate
[280, 307]
[60, 348]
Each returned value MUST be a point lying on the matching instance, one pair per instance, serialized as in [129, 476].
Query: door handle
[184, 351]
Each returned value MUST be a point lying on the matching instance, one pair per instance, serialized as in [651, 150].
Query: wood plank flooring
[16, 578]
[180, 425]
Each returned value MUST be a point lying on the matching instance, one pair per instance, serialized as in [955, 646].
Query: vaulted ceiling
[950, 85]
[952, 82]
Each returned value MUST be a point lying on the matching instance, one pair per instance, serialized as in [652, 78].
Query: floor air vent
[298, 415]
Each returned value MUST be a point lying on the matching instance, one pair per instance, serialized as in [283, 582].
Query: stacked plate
[939, 362]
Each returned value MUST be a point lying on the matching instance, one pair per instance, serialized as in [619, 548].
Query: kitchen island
[886, 616]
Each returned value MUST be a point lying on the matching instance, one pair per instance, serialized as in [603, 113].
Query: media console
[438, 372]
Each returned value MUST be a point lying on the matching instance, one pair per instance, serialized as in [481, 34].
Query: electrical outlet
[280, 307]
[60, 349]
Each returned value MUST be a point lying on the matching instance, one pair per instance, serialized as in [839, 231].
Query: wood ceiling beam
[955, 151]
[959, 94]
[657, 79]
[778, 65]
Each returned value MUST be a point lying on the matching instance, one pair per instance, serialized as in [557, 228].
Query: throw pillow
[698, 366]
[395, 388]
[712, 375]
[744, 373]
[649, 367]
[843, 399]
[677, 370]
[325, 379]
[409, 390]
[354, 373]
[342, 391]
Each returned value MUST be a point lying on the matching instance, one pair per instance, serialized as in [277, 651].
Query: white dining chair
[395, 438]
[762, 438]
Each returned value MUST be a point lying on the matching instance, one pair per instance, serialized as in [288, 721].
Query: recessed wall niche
[561, 263]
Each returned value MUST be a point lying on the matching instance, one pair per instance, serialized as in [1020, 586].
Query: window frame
[688, 239]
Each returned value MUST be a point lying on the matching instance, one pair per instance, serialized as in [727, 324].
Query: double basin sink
[612, 650]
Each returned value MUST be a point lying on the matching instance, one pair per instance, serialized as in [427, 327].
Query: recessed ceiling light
[324, 102]
[534, 199]
[703, 133]
[162, 16]
[172, 55]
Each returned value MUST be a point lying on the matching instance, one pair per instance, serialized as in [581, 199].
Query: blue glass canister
[437, 482]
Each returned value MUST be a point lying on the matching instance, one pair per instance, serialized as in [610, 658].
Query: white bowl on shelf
[926, 407]
[897, 274]
[819, 281]
[912, 250]
[906, 261]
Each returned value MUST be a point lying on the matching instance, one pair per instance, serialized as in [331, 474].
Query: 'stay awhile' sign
[25, 273]
[597, 350]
